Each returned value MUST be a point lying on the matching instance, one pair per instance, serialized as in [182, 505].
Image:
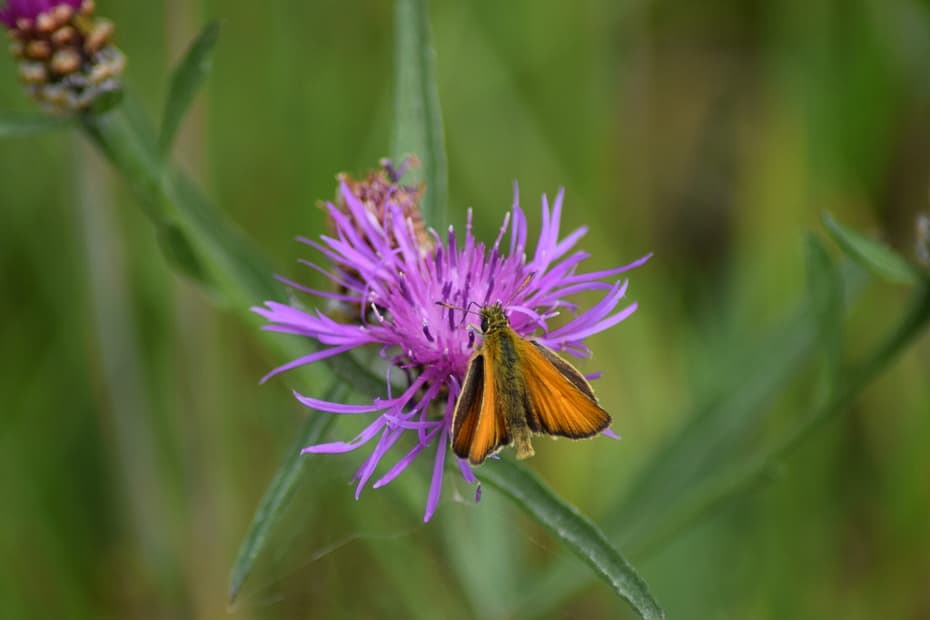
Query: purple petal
[307, 359]
[435, 487]
[402, 464]
[316, 293]
[325, 405]
[338, 447]
[467, 473]
[387, 441]
[605, 324]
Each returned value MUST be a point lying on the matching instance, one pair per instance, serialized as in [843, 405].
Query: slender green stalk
[417, 115]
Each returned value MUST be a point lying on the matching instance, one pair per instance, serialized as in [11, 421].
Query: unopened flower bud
[66, 55]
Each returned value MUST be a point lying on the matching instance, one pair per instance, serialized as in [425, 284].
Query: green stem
[417, 115]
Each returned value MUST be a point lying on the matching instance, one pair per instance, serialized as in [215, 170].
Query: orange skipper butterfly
[515, 388]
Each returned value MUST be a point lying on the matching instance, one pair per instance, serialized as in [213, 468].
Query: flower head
[381, 267]
[381, 188]
[65, 54]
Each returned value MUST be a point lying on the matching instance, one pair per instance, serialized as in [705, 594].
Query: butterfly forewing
[478, 429]
[560, 400]
[468, 407]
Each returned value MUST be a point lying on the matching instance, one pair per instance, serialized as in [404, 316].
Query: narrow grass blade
[872, 254]
[825, 291]
[186, 80]
[574, 530]
[417, 116]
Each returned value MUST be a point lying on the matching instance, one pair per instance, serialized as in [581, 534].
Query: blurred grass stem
[124, 390]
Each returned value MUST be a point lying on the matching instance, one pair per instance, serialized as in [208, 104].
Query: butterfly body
[515, 388]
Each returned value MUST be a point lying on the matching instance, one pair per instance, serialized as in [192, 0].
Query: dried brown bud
[99, 35]
[65, 61]
[66, 35]
[38, 49]
[45, 23]
[33, 72]
[62, 14]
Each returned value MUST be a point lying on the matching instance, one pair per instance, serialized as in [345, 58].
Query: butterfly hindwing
[560, 401]
[567, 370]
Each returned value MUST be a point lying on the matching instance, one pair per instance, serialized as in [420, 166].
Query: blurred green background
[135, 441]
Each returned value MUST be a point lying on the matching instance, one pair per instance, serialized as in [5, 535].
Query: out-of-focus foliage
[135, 441]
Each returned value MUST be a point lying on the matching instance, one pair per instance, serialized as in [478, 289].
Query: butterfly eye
[484, 324]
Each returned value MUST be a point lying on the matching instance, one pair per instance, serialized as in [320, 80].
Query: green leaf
[417, 116]
[574, 530]
[186, 80]
[825, 289]
[279, 493]
[876, 256]
[13, 125]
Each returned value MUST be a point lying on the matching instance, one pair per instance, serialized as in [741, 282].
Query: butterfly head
[493, 319]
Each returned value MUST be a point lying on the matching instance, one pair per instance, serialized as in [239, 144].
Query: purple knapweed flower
[64, 53]
[382, 268]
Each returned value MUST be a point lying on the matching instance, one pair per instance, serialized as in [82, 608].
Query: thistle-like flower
[382, 267]
[65, 55]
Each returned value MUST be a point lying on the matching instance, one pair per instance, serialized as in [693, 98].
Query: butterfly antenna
[523, 284]
[465, 311]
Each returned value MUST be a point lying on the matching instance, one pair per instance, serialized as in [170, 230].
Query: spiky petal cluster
[381, 188]
[380, 266]
[65, 55]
